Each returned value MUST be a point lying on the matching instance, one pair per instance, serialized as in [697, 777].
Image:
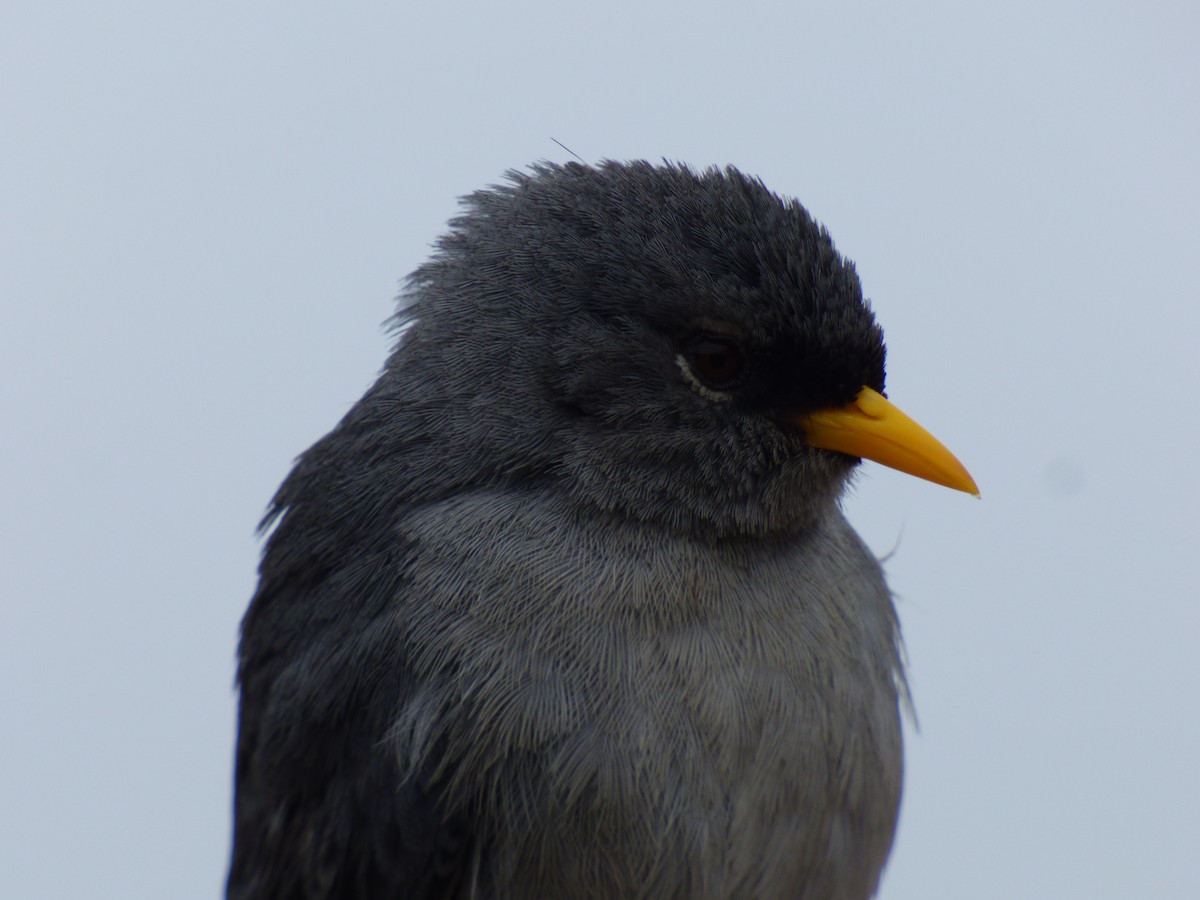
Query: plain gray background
[206, 211]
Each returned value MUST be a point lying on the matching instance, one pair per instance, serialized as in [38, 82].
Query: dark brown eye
[716, 361]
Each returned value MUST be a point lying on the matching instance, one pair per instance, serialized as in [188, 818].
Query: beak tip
[968, 486]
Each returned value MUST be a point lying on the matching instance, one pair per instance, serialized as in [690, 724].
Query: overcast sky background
[206, 209]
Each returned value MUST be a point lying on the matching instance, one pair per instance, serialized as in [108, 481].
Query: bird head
[680, 348]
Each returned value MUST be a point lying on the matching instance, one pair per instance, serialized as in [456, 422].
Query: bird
[566, 605]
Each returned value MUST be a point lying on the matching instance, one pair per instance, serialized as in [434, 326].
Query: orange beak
[874, 428]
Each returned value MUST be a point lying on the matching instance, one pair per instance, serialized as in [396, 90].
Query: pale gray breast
[659, 715]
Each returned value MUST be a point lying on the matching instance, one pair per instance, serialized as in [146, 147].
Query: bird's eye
[717, 361]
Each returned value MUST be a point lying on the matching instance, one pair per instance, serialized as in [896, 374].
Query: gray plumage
[550, 614]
